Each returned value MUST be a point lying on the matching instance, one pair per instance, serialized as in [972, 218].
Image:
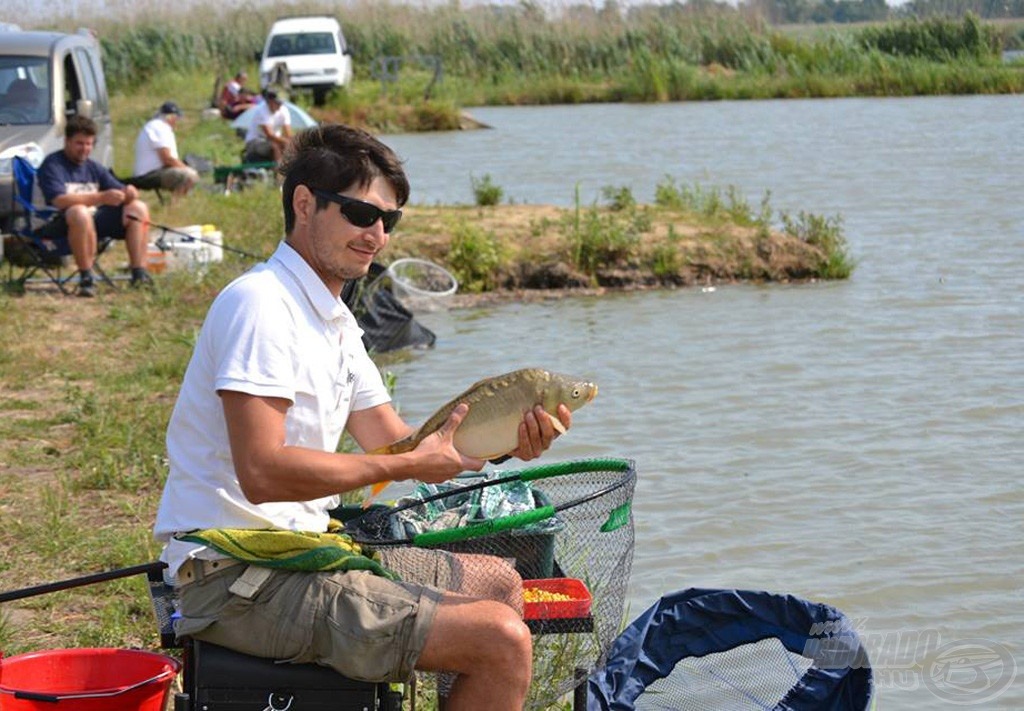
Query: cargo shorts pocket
[368, 628]
[272, 623]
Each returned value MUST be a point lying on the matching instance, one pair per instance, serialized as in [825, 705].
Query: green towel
[290, 550]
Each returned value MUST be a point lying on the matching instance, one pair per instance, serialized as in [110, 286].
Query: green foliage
[827, 234]
[485, 191]
[618, 199]
[475, 256]
[652, 53]
[665, 259]
[599, 239]
[710, 203]
[938, 39]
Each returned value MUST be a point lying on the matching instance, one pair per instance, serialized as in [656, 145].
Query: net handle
[544, 471]
[505, 523]
[451, 535]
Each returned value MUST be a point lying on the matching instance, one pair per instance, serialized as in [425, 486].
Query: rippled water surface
[858, 443]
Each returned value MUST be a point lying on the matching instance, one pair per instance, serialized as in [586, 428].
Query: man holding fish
[278, 372]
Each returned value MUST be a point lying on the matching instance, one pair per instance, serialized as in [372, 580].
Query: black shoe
[141, 279]
[86, 289]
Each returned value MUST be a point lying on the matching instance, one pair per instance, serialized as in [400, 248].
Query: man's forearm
[63, 202]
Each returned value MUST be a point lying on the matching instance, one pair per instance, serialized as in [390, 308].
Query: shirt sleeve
[51, 182]
[252, 343]
[105, 178]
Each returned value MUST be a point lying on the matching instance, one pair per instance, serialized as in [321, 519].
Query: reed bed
[519, 54]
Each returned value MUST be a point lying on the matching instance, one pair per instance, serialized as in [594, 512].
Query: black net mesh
[568, 524]
[386, 319]
[750, 676]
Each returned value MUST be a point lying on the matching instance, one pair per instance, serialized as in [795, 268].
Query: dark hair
[79, 124]
[333, 157]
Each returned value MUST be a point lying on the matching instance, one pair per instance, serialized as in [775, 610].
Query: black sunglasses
[361, 214]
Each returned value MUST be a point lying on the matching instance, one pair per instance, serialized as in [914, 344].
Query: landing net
[565, 528]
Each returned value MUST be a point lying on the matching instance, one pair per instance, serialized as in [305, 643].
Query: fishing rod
[186, 237]
[150, 569]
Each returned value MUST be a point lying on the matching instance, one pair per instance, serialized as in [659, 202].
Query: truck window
[301, 43]
[24, 90]
[88, 77]
[72, 89]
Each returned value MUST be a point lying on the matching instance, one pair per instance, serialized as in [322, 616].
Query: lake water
[859, 442]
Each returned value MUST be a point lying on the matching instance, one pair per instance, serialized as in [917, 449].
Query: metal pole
[192, 238]
[147, 568]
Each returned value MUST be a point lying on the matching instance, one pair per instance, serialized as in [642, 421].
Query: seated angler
[92, 202]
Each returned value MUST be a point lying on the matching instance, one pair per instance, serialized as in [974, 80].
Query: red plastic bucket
[86, 680]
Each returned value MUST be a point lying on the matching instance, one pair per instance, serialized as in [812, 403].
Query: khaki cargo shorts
[364, 626]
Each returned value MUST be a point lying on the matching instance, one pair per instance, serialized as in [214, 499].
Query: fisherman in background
[278, 373]
[157, 164]
[235, 98]
[269, 131]
[92, 202]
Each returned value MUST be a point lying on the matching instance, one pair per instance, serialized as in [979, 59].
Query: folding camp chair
[31, 253]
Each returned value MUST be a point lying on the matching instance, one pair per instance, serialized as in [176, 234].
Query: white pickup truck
[311, 52]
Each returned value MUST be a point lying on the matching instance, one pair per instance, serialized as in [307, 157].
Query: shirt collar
[327, 306]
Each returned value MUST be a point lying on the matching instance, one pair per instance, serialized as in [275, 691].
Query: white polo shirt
[276, 331]
[263, 116]
[156, 134]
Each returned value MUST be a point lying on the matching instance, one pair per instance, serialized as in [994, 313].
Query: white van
[313, 52]
[45, 77]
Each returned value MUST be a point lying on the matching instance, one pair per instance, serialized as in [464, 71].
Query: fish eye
[575, 392]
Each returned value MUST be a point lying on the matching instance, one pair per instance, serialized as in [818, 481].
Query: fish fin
[374, 491]
[556, 423]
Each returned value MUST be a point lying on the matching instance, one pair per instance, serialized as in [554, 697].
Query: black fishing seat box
[218, 679]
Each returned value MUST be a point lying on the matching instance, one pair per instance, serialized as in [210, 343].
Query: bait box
[578, 606]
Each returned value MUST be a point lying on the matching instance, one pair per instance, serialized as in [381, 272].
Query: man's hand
[445, 461]
[112, 197]
[131, 194]
[537, 432]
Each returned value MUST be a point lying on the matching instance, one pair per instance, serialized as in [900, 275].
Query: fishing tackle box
[225, 680]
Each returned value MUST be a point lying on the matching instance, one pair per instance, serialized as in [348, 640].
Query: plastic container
[578, 606]
[157, 260]
[85, 679]
[214, 240]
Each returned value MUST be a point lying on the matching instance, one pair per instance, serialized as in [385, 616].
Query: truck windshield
[24, 91]
[301, 43]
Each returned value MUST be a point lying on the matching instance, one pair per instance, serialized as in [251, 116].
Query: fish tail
[374, 491]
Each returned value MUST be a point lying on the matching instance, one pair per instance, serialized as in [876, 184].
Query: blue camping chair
[30, 252]
[717, 650]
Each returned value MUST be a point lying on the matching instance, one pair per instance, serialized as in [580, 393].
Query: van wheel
[320, 95]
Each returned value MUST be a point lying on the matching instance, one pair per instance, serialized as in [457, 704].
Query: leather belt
[195, 569]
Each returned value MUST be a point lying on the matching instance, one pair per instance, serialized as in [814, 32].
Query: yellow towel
[290, 550]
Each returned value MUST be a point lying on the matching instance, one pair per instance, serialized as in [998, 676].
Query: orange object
[156, 259]
[577, 606]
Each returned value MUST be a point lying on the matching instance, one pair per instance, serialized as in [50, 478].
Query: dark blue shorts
[109, 221]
